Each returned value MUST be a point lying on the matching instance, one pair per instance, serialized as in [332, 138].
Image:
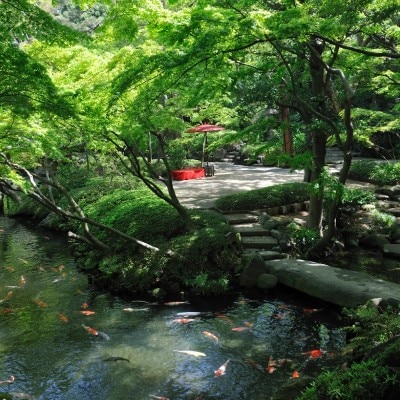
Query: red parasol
[204, 128]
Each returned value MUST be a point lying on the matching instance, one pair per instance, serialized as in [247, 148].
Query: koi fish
[87, 312]
[158, 397]
[129, 309]
[22, 281]
[191, 353]
[315, 353]
[11, 379]
[62, 317]
[222, 316]
[183, 320]
[116, 358]
[85, 305]
[211, 335]
[40, 303]
[175, 303]
[189, 314]
[249, 324]
[7, 296]
[103, 335]
[295, 375]
[221, 370]
[241, 328]
[311, 310]
[90, 330]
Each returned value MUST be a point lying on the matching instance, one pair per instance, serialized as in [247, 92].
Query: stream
[60, 339]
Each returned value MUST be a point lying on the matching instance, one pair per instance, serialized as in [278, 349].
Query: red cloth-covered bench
[187, 173]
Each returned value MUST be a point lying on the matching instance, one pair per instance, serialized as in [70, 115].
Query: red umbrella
[205, 128]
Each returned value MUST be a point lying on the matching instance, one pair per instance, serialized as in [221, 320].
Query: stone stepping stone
[265, 254]
[251, 230]
[236, 219]
[259, 242]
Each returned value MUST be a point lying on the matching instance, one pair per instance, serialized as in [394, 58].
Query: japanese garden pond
[60, 339]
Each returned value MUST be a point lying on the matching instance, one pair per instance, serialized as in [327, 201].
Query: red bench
[187, 173]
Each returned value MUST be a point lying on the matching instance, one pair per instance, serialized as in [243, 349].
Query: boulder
[375, 240]
[392, 250]
[254, 268]
[267, 281]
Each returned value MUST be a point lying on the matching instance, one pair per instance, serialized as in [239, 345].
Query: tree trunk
[318, 134]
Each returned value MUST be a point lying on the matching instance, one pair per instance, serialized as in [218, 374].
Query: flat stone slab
[392, 249]
[259, 242]
[235, 219]
[334, 285]
[251, 230]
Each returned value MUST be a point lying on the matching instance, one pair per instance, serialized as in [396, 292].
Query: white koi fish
[191, 353]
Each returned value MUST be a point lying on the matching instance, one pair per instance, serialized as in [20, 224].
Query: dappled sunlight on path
[230, 179]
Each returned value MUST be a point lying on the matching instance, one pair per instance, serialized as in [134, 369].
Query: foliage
[353, 197]
[362, 381]
[272, 196]
[371, 325]
[301, 239]
[379, 172]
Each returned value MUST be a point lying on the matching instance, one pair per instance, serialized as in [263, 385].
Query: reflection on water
[44, 344]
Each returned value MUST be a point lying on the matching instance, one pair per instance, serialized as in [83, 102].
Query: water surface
[44, 345]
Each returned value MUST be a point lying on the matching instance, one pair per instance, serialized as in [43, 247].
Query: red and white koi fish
[183, 320]
[211, 336]
[222, 369]
[11, 379]
[87, 312]
[315, 353]
[158, 397]
[92, 331]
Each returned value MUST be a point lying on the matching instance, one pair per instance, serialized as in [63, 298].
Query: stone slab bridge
[335, 285]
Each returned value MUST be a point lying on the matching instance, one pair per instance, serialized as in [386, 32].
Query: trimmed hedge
[272, 196]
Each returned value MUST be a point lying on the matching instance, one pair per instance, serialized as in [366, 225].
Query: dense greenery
[273, 196]
[378, 172]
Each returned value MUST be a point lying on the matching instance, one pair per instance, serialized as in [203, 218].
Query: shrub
[378, 172]
[366, 380]
[272, 196]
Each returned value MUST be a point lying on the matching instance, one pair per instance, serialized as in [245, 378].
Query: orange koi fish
[87, 312]
[85, 305]
[183, 320]
[271, 367]
[22, 281]
[91, 330]
[241, 328]
[221, 370]
[224, 317]
[40, 303]
[315, 353]
[211, 335]
[62, 317]
[295, 375]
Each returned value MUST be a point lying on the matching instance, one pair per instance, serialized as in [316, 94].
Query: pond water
[52, 350]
